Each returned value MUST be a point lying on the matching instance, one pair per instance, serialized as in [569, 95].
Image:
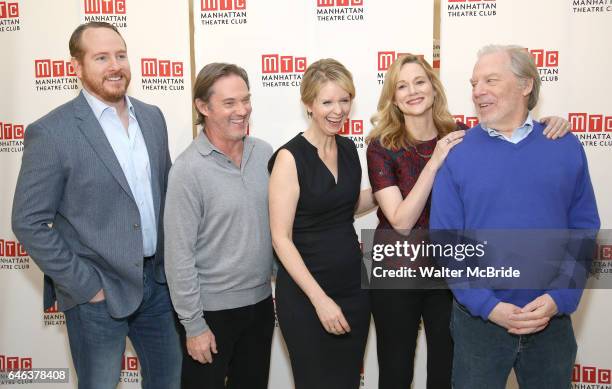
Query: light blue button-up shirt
[518, 135]
[131, 152]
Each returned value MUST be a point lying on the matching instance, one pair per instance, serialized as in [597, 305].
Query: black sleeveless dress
[324, 235]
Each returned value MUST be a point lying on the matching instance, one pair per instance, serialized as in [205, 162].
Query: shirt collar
[526, 126]
[205, 147]
[99, 107]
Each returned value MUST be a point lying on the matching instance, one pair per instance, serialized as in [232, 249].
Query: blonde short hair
[319, 73]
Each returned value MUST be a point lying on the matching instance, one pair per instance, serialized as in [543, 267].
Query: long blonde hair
[389, 126]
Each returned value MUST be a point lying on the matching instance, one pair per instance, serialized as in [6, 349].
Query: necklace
[416, 150]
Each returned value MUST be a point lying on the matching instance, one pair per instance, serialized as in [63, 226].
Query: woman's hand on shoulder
[443, 146]
[556, 127]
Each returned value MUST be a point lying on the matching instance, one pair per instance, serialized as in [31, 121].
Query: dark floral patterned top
[400, 168]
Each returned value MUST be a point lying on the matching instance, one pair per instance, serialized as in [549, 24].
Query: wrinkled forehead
[492, 63]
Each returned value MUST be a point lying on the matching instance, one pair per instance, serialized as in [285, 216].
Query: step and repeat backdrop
[275, 41]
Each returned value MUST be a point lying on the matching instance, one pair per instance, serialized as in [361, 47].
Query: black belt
[149, 258]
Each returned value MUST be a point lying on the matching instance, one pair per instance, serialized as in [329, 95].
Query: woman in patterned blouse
[412, 135]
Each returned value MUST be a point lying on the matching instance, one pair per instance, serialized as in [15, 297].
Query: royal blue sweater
[490, 183]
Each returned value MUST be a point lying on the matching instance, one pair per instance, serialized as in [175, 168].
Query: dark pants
[97, 340]
[319, 359]
[244, 339]
[397, 316]
[485, 353]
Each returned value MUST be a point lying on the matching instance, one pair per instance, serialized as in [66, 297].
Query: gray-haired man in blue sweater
[507, 175]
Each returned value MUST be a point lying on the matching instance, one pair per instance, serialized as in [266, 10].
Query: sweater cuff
[488, 306]
[566, 299]
[195, 327]
[479, 302]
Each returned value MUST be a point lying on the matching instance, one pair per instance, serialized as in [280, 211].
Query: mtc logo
[15, 363]
[45, 68]
[9, 131]
[275, 63]
[153, 67]
[10, 248]
[52, 309]
[543, 58]
[469, 121]
[223, 5]
[339, 3]
[104, 7]
[352, 127]
[386, 59]
[591, 375]
[129, 363]
[9, 10]
[582, 122]
[604, 252]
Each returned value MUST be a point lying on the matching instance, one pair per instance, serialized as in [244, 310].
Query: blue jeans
[97, 341]
[485, 353]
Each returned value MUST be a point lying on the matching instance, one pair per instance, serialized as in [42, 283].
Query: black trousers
[397, 315]
[320, 360]
[244, 340]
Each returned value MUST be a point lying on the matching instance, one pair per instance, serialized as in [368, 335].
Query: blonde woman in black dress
[323, 313]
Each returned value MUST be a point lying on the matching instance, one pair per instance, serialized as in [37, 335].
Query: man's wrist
[195, 327]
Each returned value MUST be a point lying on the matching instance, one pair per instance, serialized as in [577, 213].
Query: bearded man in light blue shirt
[88, 208]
